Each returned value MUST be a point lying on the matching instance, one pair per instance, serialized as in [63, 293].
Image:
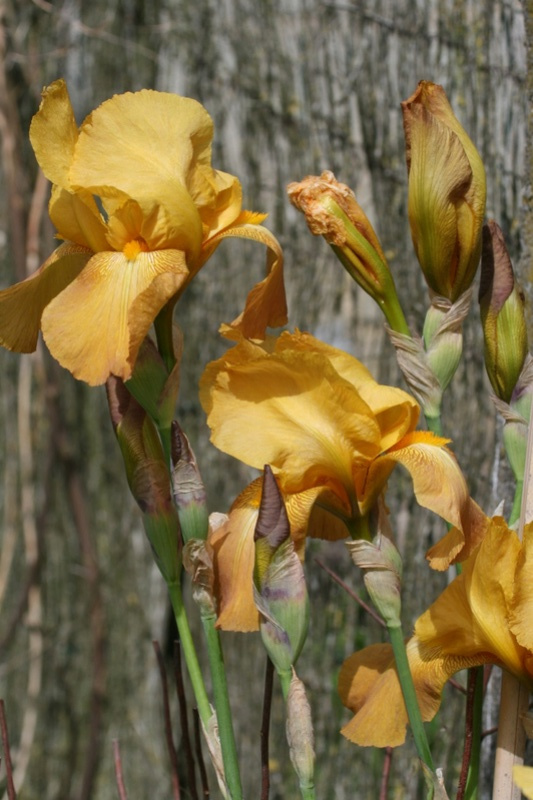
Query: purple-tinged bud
[147, 476]
[188, 488]
[280, 591]
[501, 304]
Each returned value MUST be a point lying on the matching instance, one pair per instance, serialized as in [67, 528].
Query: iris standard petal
[96, 326]
[54, 133]
[22, 305]
[290, 410]
[77, 219]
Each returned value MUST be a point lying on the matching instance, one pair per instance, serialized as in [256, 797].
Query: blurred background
[294, 87]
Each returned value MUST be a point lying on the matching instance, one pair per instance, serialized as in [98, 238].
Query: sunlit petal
[22, 305]
[54, 133]
[290, 410]
[96, 326]
[266, 305]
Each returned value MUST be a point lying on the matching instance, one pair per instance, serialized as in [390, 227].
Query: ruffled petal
[471, 616]
[290, 410]
[440, 486]
[96, 326]
[266, 304]
[22, 305]
[54, 133]
[369, 686]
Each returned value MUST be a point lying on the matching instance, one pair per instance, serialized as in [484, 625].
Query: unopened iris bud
[187, 487]
[332, 211]
[502, 315]
[147, 476]
[280, 591]
[446, 196]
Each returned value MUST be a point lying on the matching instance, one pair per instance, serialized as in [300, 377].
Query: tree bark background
[294, 87]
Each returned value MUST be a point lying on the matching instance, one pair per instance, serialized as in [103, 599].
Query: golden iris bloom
[446, 199]
[140, 210]
[483, 616]
[332, 436]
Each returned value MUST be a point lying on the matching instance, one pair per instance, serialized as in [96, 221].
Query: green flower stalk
[198, 563]
[332, 211]
[382, 570]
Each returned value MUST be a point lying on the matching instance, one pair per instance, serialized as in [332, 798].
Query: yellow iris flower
[140, 210]
[332, 436]
[483, 616]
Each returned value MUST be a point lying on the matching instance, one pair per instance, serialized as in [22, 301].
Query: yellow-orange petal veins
[96, 326]
[22, 305]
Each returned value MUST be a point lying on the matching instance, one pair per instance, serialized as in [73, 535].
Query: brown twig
[385, 773]
[182, 703]
[11, 793]
[351, 592]
[265, 729]
[168, 723]
[118, 771]
[199, 756]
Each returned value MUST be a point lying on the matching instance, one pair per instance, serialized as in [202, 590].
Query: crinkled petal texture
[96, 325]
[472, 622]
[135, 192]
[331, 434]
[446, 200]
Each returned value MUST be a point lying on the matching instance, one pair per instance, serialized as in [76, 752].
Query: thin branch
[265, 729]
[385, 773]
[11, 793]
[168, 723]
[118, 771]
[182, 703]
[351, 592]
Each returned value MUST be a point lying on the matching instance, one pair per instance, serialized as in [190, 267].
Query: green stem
[472, 781]
[435, 425]
[517, 502]
[222, 706]
[409, 696]
[163, 332]
[189, 652]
